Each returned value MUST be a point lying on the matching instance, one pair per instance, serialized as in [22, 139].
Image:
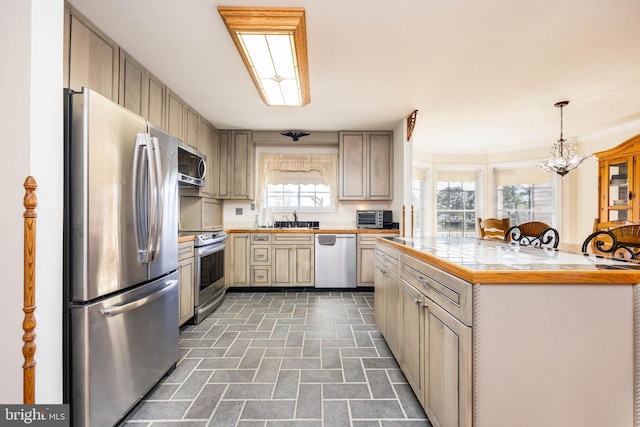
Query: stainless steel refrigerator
[120, 257]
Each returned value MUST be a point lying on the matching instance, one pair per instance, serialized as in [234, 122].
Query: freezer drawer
[120, 348]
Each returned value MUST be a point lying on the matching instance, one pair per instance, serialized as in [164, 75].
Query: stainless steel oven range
[209, 271]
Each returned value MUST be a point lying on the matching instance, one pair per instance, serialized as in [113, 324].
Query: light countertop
[310, 230]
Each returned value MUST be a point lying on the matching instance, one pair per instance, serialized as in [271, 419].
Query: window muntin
[417, 196]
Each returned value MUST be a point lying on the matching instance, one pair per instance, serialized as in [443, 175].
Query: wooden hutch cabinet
[619, 181]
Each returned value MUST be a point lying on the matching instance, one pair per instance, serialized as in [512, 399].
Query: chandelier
[564, 158]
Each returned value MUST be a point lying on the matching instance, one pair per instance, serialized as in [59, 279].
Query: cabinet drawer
[185, 250]
[260, 255]
[261, 275]
[292, 239]
[367, 239]
[390, 258]
[260, 238]
[451, 293]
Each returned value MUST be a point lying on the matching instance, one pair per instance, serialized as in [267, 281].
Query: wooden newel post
[29, 322]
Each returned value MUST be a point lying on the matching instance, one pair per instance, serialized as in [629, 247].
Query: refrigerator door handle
[141, 196]
[158, 207]
[119, 309]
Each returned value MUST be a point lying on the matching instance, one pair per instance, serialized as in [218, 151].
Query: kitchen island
[494, 334]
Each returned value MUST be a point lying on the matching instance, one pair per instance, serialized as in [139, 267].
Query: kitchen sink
[296, 225]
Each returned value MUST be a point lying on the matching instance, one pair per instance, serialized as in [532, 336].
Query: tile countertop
[482, 261]
[311, 230]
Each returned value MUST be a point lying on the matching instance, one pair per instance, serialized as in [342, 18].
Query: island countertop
[482, 261]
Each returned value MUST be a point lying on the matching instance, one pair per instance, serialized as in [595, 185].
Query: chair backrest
[597, 225]
[533, 233]
[619, 242]
[493, 228]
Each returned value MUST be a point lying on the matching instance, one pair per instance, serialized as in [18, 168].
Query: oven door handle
[210, 249]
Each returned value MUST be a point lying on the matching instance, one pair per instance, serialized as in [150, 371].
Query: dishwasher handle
[330, 239]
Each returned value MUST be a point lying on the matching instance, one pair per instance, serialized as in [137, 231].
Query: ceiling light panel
[273, 47]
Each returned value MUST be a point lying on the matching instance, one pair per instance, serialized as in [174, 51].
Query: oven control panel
[210, 238]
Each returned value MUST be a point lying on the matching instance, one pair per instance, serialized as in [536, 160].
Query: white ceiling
[484, 75]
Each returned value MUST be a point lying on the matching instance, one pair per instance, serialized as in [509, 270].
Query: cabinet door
[379, 166]
[224, 156]
[186, 295]
[304, 261]
[133, 85]
[238, 260]
[392, 313]
[242, 184]
[365, 265]
[412, 330]
[352, 169]
[205, 144]
[447, 369]
[282, 266]
[192, 128]
[156, 98]
[617, 200]
[378, 298]
[93, 59]
[175, 115]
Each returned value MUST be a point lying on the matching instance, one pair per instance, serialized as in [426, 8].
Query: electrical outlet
[238, 211]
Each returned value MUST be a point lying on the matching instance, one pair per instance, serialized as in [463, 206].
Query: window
[526, 202]
[298, 196]
[525, 194]
[417, 196]
[456, 208]
[297, 181]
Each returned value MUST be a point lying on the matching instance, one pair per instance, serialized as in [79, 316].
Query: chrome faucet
[295, 219]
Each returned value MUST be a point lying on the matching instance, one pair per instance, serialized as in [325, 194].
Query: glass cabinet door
[619, 192]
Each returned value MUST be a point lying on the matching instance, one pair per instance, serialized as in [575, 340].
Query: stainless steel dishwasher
[335, 260]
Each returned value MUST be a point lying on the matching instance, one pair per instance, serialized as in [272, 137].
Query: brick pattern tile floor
[289, 359]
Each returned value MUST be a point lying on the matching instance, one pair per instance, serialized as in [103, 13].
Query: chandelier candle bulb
[564, 158]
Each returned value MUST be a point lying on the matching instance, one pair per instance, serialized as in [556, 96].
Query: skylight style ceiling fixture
[273, 45]
[564, 159]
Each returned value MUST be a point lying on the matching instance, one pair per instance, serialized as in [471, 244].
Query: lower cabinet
[270, 259]
[448, 369]
[186, 264]
[432, 346]
[412, 337]
[238, 265]
[366, 258]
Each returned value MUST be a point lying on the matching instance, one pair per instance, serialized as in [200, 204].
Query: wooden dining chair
[619, 242]
[606, 225]
[493, 228]
[533, 233]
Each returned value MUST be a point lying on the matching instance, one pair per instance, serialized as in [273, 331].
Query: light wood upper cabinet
[619, 182]
[236, 174]
[206, 135]
[366, 165]
[132, 84]
[155, 102]
[91, 59]
[192, 129]
[176, 111]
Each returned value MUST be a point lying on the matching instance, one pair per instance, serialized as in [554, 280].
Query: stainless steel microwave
[192, 166]
[374, 219]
